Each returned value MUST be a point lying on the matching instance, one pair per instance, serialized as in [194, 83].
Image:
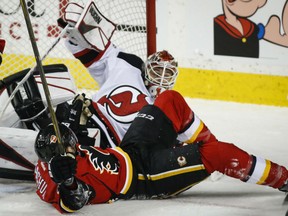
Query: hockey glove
[62, 168]
[78, 115]
[75, 199]
[75, 114]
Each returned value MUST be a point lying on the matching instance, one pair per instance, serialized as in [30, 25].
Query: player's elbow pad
[73, 200]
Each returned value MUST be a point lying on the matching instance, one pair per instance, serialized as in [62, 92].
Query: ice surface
[260, 130]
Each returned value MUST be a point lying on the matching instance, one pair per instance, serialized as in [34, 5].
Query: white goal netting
[129, 15]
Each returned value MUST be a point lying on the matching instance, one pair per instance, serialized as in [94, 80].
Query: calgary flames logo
[101, 161]
[123, 103]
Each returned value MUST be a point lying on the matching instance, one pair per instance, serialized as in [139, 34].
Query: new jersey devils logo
[123, 103]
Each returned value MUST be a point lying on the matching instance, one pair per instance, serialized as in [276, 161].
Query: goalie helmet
[47, 145]
[161, 70]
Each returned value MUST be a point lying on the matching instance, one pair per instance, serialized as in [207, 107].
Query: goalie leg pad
[28, 104]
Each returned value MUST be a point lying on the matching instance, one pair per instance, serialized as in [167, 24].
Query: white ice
[260, 130]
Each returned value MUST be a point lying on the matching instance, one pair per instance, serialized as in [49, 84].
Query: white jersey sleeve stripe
[261, 171]
[192, 132]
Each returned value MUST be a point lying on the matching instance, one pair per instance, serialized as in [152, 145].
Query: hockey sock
[234, 162]
[265, 172]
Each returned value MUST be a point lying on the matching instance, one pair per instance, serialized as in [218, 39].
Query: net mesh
[128, 15]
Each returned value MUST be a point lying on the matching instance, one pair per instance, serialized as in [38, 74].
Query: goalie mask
[47, 145]
[161, 70]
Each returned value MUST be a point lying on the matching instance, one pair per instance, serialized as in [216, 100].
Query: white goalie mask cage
[161, 70]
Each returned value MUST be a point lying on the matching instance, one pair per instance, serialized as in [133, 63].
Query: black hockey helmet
[47, 145]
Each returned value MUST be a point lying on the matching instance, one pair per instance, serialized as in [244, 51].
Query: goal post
[136, 33]
[151, 26]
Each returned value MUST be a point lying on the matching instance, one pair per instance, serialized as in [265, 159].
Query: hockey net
[131, 34]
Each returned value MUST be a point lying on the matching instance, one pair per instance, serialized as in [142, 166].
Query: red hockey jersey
[105, 174]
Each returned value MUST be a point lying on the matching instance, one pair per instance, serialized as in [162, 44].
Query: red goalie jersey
[110, 175]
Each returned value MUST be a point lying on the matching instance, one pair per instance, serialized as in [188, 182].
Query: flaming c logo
[123, 103]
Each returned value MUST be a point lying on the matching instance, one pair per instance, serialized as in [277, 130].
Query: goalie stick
[10, 154]
[6, 152]
[16, 174]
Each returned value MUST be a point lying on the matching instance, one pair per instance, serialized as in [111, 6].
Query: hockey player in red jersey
[126, 82]
[149, 163]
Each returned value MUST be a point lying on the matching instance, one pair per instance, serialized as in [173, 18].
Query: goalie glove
[88, 27]
[2, 45]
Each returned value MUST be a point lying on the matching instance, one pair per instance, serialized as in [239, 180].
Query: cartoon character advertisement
[236, 34]
[205, 32]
